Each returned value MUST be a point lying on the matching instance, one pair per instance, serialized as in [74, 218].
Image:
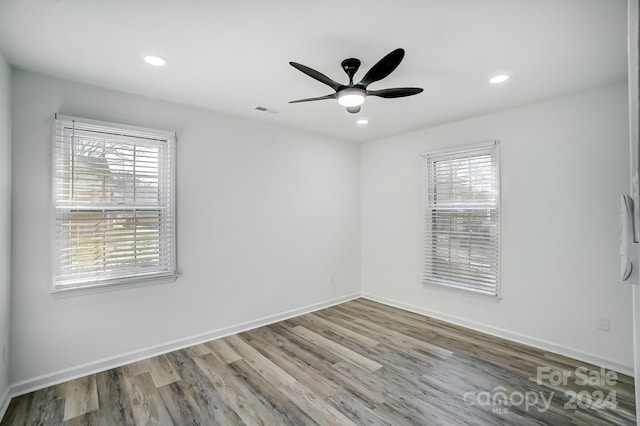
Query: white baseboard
[5, 399]
[65, 375]
[509, 335]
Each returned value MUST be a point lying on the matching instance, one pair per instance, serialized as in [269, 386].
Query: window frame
[493, 148]
[98, 283]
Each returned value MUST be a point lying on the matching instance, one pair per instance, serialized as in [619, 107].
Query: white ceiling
[231, 55]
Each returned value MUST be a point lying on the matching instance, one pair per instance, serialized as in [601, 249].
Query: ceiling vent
[263, 109]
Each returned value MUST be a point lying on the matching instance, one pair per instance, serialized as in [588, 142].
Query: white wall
[5, 222]
[563, 165]
[266, 216]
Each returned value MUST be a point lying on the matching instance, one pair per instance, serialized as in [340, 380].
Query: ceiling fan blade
[383, 68]
[397, 92]
[319, 98]
[317, 75]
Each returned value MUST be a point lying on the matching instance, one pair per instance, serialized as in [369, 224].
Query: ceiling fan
[352, 96]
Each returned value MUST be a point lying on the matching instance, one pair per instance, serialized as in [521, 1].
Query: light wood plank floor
[356, 363]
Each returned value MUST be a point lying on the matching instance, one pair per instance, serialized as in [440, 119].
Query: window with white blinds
[462, 229]
[114, 204]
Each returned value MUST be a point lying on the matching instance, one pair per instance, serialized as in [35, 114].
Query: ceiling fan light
[351, 97]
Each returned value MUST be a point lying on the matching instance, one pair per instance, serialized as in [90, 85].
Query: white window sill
[114, 286]
[466, 291]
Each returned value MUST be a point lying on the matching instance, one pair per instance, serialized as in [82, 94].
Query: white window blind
[462, 229]
[114, 204]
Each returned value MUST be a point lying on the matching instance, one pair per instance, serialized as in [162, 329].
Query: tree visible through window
[462, 219]
[114, 204]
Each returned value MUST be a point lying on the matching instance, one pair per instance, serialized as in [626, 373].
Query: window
[114, 204]
[462, 229]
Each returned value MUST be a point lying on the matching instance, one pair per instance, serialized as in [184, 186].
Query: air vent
[263, 109]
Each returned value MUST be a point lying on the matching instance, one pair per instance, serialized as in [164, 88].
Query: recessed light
[156, 61]
[362, 121]
[500, 78]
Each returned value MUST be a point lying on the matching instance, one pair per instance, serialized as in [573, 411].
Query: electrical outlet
[604, 324]
[333, 279]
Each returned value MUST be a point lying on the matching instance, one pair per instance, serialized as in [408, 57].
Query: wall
[5, 223]
[563, 165]
[266, 216]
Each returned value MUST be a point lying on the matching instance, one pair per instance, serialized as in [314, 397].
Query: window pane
[110, 241]
[102, 170]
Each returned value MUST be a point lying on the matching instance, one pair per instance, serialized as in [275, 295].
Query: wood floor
[356, 363]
